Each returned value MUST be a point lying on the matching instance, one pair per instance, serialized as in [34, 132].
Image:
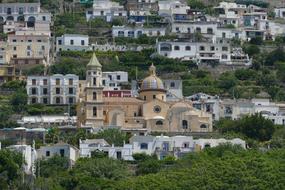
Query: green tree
[112, 136]
[19, 101]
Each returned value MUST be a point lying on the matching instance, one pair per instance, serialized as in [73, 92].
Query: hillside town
[103, 94]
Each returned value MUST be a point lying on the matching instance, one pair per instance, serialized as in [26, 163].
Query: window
[131, 33]
[70, 100]
[70, 90]
[44, 18]
[39, 41]
[94, 81]
[157, 109]
[172, 84]
[202, 48]
[45, 81]
[198, 30]
[224, 48]
[188, 48]
[102, 13]
[82, 42]
[43, 48]
[119, 155]
[159, 122]
[209, 31]
[185, 145]
[121, 34]
[207, 146]
[45, 91]
[94, 111]
[203, 126]
[94, 96]
[184, 124]
[224, 35]
[57, 90]
[47, 153]
[14, 40]
[144, 146]
[176, 48]
[212, 48]
[165, 146]
[57, 81]
[118, 77]
[15, 48]
[45, 100]
[61, 152]
[57, 100]
[224, 56]
[71, 42]
[34, 81]
[34, 100]
[34, 91]
[154, 96]
[59, 42]
[70, 81]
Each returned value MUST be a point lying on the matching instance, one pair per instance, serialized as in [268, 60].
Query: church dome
[152, 82]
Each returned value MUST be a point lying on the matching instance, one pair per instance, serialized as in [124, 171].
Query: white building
[73, 42]
[29, 155]
[175, 10]
[107, 10]
[100, 145]
[202, 27]
[210, 143]
[24, 16]
[47, 120]
[203, 52]
[60, 149]
[279, 12]
[114, 80]
[208, 103]
[135, 32]
[55, 89]
[161, 146]
[174, 89]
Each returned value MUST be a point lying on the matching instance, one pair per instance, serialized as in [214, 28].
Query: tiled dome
[152, 81]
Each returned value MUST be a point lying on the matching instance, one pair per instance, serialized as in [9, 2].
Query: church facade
[148, 112]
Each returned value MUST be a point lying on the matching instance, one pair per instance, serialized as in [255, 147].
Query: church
[149, 112]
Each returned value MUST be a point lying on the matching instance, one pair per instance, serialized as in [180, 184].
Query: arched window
[159, 122]
[198, 30]
[209, 30]
[94, 96]
[94, 111]
[10, 18]
[21, 19]
[31, 21]
[203, 126]
[184, 124]
[207, 146]
[121, 34]
[177, 48]
[188, 48]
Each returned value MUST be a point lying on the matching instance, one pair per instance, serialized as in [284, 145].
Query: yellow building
[149, 112]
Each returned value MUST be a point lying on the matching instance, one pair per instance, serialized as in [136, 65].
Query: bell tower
[94, 94]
